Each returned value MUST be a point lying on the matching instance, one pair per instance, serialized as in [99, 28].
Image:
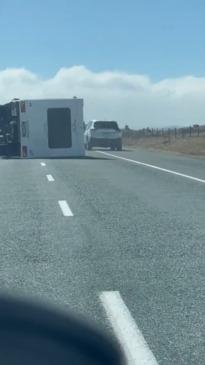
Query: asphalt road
[134, 229]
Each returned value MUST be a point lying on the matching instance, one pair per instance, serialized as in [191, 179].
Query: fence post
[169, 134]
[198, 131]
[189, 131]
[175, 132]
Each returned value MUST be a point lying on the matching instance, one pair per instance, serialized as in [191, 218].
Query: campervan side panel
[38, 118]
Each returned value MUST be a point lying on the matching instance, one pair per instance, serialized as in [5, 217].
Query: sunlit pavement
[87, 234]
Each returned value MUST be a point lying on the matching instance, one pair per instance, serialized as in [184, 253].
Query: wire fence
[168, 133]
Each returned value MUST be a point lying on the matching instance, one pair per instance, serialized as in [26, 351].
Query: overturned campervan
[42, 128]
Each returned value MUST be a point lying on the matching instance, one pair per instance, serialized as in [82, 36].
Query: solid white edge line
[128, 334]
[154, 167]
[50, 178]
[65, 208]
[43, 164]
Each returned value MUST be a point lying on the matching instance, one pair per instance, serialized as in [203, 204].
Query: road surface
[119, 242]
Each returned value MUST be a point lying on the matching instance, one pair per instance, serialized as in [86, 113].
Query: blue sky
[159, 38]
[141, 62]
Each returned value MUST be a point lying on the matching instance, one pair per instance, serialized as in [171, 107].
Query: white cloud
[129, 98]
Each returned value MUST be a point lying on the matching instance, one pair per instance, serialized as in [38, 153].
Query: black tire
[119, 146]
[89, 146]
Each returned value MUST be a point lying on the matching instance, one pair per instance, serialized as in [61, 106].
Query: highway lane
[156, 247]
[189, 165]
[134, 230]
[42, 254]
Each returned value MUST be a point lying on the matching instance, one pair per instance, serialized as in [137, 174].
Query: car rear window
[106, 125]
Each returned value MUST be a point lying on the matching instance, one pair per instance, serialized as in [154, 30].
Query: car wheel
[89, 146]
[119, 146]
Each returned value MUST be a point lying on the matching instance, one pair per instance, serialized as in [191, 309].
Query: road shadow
[55, 158]
[112, 151]
[127, 150]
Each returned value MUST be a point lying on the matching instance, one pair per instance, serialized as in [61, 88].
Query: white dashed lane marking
[43, 164]
[50, 178]
[135, 347]
[67, 212]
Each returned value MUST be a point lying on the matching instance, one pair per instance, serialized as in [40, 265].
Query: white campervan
[43, 128]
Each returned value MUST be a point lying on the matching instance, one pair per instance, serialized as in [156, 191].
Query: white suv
[103, 134]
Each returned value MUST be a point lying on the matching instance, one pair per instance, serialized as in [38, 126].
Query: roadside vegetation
[190, 140]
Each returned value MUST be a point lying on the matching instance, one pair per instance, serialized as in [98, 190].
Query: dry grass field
[188, 145]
